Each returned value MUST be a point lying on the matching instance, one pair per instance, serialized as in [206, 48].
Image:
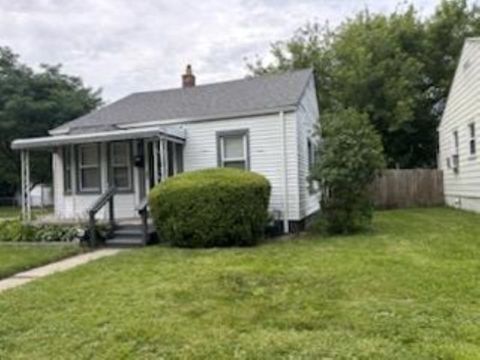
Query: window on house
[89, 168]
[233, 149]
[311, 154]
[455, 156]
[179, 157]
[121, 165]
[473, 145]
[67, 169]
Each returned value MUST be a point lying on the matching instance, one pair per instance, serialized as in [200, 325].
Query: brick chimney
[188, 79]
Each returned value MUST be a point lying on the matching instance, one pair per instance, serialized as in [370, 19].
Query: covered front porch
[104, 176]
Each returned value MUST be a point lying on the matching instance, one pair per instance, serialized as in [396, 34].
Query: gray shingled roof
[250, 95]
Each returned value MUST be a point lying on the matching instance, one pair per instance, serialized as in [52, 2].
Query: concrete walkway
[37, 273]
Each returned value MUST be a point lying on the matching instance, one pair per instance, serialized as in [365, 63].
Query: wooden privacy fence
[405, 188]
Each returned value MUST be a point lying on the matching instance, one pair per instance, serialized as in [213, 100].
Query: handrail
[143, 205]
[142, 209]
[102, 200]
[106, 197]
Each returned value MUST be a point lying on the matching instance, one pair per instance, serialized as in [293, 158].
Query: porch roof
[175, 134]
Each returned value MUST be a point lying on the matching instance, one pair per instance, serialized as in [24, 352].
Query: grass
[10, 212]
[409, 290]
[15, 258]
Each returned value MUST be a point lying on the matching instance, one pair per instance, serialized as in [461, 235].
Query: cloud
[124, 46]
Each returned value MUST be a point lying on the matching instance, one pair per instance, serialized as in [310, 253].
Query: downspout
[286, 210]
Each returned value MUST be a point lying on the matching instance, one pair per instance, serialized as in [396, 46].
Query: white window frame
[81, 167]
[127, 165]
[222, 160]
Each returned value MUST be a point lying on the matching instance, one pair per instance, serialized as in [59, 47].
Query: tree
[31, 103]
[350, 157]
[395, 68]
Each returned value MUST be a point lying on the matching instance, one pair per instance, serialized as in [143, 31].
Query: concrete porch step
[124, 242]
[128, 235]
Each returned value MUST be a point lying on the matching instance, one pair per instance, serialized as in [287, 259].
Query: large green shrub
[213, 207]
[349, 158]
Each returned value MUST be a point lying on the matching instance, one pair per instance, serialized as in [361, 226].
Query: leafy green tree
[350, 157]
[31, 103]
[395, 68]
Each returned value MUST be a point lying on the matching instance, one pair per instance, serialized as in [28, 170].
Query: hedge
[210, 208]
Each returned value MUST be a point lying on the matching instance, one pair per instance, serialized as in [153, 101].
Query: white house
[264, 124]
[459, 156]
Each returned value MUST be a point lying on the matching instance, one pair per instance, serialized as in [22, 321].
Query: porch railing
[143, 212]
[106, 197]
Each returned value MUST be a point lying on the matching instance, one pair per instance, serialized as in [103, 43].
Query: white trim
[286, 209]
[156, 148]
[224, 160]
[136, 174]
[176, 135]
[146, 166]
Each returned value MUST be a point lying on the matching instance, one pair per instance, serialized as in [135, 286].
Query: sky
[124, 46]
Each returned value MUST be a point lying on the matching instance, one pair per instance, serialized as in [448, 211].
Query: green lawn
[7, 212]
[410, 290]
[15, 258]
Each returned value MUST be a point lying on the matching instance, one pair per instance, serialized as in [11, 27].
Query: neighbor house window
[89, 168]
[67, 169]
[121, 165]
[473, 145]
[233, 149]
[311, 149]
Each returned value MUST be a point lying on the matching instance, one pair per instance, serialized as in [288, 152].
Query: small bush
[50, 233]
[213, 207]
[16, 230]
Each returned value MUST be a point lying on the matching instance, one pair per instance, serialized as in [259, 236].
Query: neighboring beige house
[264, 124]
[459, 156]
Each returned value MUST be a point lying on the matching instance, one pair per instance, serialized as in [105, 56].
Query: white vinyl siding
[261, 151]
[74, 206]
[308, 117]
[264, 138]
[463, 108]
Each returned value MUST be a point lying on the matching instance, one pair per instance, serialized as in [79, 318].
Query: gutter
[176, 135]
[186, 120]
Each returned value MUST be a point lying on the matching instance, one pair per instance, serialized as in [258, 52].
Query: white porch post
[25, 174]
[163, 158]
[157, 148]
